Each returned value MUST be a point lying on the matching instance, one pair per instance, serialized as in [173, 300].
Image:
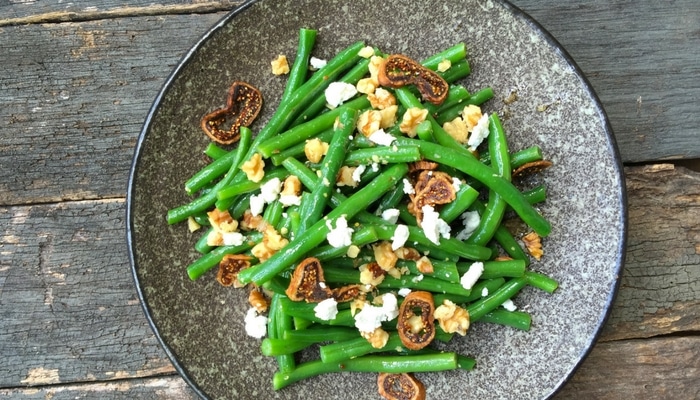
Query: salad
[366, 217]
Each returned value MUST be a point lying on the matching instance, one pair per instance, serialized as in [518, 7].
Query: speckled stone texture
[201, 323]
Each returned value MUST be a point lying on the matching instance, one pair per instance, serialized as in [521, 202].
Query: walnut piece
[402, 386]
[444, 65]
[377, 338]
[410, 120]
[381, 99]
[366, 86]
[280, 66]
[222, 221]
[533, 243]
[257, 300]
[369, 122]
[385, 256]
[254, 168]
[271, 243]
[291, 186]
[457, 129]
[345, 176]
[315, 149]
[371, 274]
[452, 318]
[416, 325]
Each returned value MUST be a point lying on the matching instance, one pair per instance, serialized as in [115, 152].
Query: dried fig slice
[243, 105]
[308, 283]
[229, 267]
[399, 70]
[531, 168]
[431, 188]
[400, 387]
[416, 326]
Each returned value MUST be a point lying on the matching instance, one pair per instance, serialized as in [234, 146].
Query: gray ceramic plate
[200, 323]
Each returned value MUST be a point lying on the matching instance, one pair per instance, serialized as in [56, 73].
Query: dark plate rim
[518, 13]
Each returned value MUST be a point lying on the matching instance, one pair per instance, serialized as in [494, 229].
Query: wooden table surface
[77, 79]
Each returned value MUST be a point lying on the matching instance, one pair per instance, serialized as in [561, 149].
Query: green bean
[212, 171]
[455, 246]
[306, 93]
[497, 269]
[477, 99]
[312, 207]
[392, 198]
[489, 303]
[516, 319]
[455, 53]
[457, 71]
[201, 246]
[495, 209]
[433, 362]
[297, 74]
[538, 194]
[464, 161]
[465, 197]
[541, 281]
[483, 286]
[361, 237]
[212, 259]
[214, 152]
[249, 186]
[202, 203]
[301, 244]
[444, 270]
[341, 275]
[383, 155]
[277, 324]
[456, 95]
[273, 213]
[322, 333]
[306, 310]
[300, 133]
[297, 150]
[318, 105]
[339, 351]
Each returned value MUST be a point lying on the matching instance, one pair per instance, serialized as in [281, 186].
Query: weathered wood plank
[32, 12]
[660, 287]
[68, 307]
[158, 388]
[640, 57]
[74, 97]
[662, 368]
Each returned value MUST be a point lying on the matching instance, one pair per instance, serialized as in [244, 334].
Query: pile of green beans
[486, 189]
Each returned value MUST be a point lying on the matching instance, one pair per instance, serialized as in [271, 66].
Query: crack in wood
[122, 12]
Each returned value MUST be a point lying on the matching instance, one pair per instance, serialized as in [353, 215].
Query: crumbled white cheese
[382, 138]
[433, 226]
[317, 63]
[270, 190]
[399, 237]
[484, 292]
[472, 275]
[290, 200]
[391, 215]
[326, 309]
[255, 325]
[341, 235]
[338, 92]
[479, 133]
[403, 292]
[233, 238]
[471, 221]
[375, 167]
[509, 305]
[371, 316]
[407, 187]
[456, 183]
[357, 173]
[257, 203]
[417, 278]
